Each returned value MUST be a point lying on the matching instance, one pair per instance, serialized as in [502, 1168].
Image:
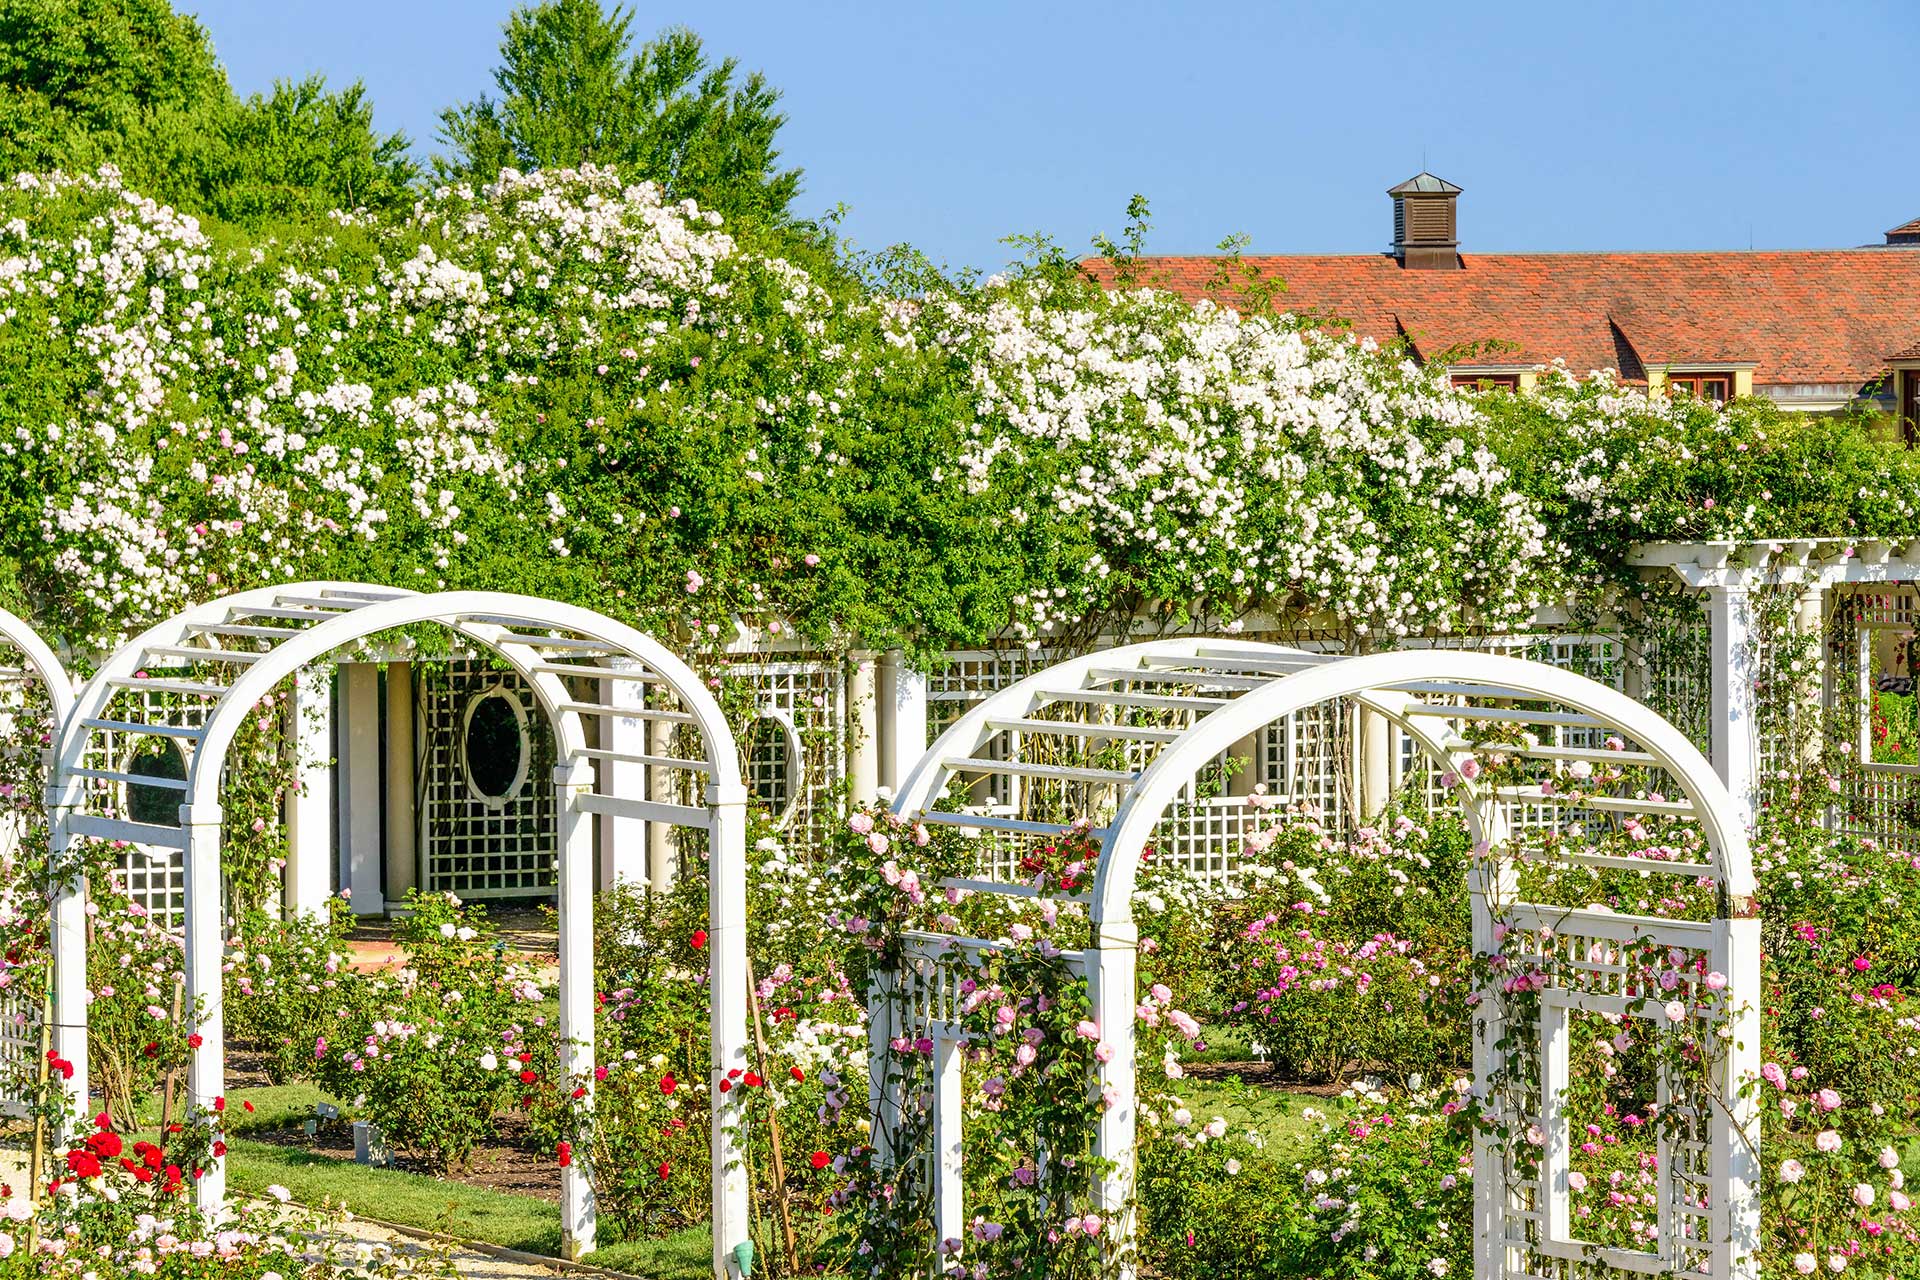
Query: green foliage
[131, 83]
[574, 91]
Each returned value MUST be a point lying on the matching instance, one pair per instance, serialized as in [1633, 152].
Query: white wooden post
[1491, 882]
[902, 699]
[1736, 1124]
[949, 1205]
[310, 805]
[206, 1066]
[1736, 748]
[1111, 963]
[573, 780]
[360, 787]
[623, 841]
[727, 1002]
[403, 861]
[863, 747]
[69, 930]
[1376, 764]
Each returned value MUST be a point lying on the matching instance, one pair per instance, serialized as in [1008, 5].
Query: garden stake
[36, 1162]
[773, 1130]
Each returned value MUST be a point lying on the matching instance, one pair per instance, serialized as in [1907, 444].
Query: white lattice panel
[811, 694]
[472, 848]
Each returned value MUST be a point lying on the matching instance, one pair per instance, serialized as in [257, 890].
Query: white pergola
[194, 678]
[1177, 705]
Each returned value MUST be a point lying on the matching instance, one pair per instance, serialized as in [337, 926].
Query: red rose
[579, 1092]
[821, 1159]
[82, 1164]
[248, 1106]
[564, 1152]
[525, 1058]
[219, 1148]
[726, 1086]
[103, 1121]
[666, 1170]
[194, 1041]
[754, 1081]
[699, 939]
[599, 1073]
[668, 1084]
[104, 1145]
[153, 1049]
[797, 1073]
[219, 1104]
[528, 1077]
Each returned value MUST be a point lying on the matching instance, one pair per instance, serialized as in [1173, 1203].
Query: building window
[1487, 381]
[494, 748]
[1717, 387]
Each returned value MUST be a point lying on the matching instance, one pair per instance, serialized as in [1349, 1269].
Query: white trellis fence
[1176, 706]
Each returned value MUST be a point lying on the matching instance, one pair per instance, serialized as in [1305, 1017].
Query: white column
[863, 747]
[69, 930]
[902, 699]
[1736, 747]
[1491, 883]
[727, 1001]
[1376, 763]
[571, 781]
[949, 1204]
[1110, 986]
[360, 784]
[1810, 620]
[309, 875]
[662, 870]
[623, 841]
[206, 1066]
[403, 860]
[1736, 1126]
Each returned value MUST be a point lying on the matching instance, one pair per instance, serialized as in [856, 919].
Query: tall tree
[132, 83]
[573, 90]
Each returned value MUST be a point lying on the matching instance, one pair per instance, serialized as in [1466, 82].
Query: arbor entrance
[212, 664]
[1549, 770]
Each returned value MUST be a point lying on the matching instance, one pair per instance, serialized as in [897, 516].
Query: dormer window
[1487, 381]
[1717, 387]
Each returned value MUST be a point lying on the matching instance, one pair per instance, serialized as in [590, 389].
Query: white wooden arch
[1216, 693]
[38, 662]
[218, 660]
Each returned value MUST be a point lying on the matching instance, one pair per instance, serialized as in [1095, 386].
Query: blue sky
[1575, 127]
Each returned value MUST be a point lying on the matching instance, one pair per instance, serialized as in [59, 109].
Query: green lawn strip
[1278, 1115]
[452, 1209]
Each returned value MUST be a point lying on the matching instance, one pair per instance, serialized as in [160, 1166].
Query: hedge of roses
[565, 385]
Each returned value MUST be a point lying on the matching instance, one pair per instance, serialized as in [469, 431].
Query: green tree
[573, 91]
[132, 83]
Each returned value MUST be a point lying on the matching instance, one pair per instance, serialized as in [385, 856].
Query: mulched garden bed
[506, 1163]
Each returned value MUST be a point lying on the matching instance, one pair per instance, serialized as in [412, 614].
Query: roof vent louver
[1425, 233]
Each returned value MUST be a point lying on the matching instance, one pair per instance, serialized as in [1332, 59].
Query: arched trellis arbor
[1044, 747]
[193, 679]
[38, 662]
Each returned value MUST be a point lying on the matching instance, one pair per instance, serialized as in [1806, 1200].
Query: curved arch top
[42, 663]
[302, 623]
[1226, 690]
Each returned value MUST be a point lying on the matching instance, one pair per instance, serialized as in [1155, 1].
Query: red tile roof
[1812, 316]
[1906, 229]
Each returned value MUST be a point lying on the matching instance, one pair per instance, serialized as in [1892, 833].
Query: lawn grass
[406, 1199]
